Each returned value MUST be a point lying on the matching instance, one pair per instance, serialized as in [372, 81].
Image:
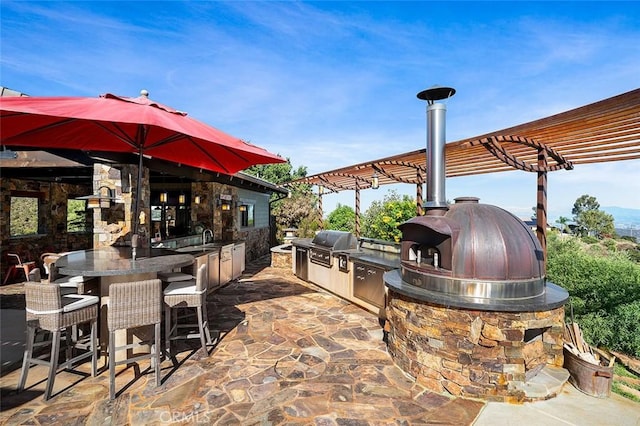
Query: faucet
[204, 235]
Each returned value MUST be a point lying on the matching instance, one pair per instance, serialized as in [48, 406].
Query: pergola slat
[608, 130]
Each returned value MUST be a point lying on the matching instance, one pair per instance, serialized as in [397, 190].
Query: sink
[202, 248]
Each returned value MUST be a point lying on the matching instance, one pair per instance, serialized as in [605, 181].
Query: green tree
[296, 211]
[24, 216]
[279, 173]
[564, 223]
[299, 211]
[382, 218]
[590, 220]
[343, 218]
[76, 215]
[584, 203]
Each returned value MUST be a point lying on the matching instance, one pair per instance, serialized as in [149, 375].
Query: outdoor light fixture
[375, 182]
[163, 197]
[197, 199]
[243, 208]
[224, 202]
[98, 200]
[182, 198]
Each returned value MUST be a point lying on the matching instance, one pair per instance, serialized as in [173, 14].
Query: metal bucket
[592, 379]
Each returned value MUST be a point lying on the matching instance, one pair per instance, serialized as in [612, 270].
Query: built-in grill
[470, 310]
[325, 243]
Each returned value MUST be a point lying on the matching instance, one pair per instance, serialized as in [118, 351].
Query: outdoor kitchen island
[116, 265]
[348, 267]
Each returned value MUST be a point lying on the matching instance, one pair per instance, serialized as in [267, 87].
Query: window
[76, 215]
[24, 215]
[246, 215]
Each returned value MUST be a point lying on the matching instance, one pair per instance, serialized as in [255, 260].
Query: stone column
[113, 226]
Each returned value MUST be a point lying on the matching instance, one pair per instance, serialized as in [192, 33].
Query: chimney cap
[435, 93]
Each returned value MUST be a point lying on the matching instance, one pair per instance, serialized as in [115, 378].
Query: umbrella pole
[136, 216]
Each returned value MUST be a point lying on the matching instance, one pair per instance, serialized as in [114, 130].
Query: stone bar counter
[115, 265]
[118, 261]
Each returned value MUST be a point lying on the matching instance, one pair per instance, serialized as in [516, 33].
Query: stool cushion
[72, 302]
[174, 276]
[72, 279]
[181, 287]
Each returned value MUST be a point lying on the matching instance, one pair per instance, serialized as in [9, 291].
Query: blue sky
[329, 84]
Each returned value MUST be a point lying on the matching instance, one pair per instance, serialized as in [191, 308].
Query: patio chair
[17, 266]
[50, 311]
[131, 305]
[187, 294]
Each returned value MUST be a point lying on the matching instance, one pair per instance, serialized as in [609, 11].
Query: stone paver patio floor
[286, 354]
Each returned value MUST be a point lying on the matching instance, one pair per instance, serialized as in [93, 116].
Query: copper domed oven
[475, 255]
[470, 311]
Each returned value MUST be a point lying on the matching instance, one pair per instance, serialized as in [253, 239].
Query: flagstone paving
[286, 353]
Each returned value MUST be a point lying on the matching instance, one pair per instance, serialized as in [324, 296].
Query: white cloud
[332, 84]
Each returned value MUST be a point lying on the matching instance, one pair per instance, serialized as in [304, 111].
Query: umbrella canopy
[111, 123]
[120, 124]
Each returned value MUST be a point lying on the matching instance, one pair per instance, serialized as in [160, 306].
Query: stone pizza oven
[470, 311]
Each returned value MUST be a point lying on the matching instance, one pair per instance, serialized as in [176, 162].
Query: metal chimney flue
[436, 139]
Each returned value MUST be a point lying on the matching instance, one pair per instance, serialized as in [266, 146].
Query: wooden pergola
[608, 130]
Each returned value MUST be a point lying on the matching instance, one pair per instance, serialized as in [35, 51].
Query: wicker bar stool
[187, 294]
[46, 259]
[50, 311]
[69, 284]
[131, 305]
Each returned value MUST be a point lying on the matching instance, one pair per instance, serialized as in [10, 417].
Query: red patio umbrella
[120, 124]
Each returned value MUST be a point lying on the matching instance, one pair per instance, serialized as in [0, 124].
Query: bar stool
[169, 277]
[134, 304]
[48, 310]
[46, 259]
[16, 264]
[70, 284]
[187, 294]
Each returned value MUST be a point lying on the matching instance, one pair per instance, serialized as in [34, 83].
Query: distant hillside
[624, 217]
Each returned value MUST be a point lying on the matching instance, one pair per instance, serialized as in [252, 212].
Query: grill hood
[335, 240]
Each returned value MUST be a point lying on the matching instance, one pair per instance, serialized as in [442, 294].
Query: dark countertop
[377, 258]
[553, 297]
[302, 242]
[109, 261]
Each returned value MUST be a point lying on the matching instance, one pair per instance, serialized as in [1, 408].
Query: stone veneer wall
[112, 226]
[472, 353]
[52, 233]
[225, 223]
[256, 243]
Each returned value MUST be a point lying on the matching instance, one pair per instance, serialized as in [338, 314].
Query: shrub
[382, 218]
[604, 293]
[343, 218]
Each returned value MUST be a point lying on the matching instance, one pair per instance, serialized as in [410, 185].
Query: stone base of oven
[495, 356]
